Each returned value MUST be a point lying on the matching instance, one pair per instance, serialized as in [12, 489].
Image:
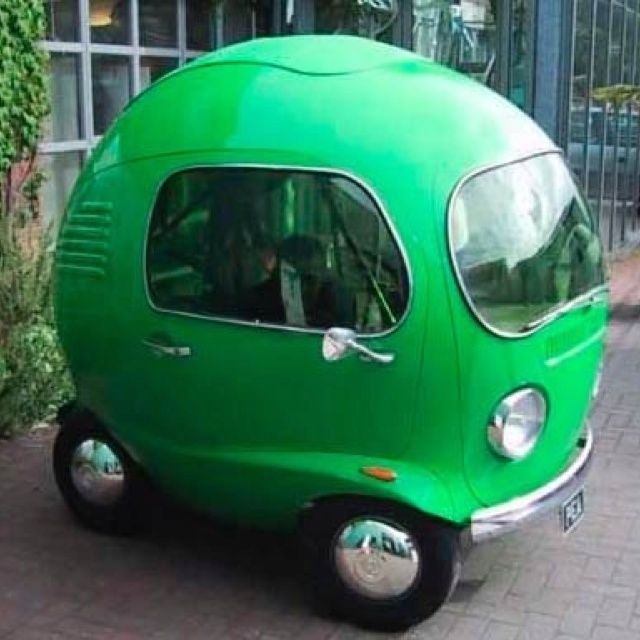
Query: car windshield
[524, 243]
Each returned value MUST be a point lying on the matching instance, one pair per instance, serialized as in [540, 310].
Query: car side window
[293, 248]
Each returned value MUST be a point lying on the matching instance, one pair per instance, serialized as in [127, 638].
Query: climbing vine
[33, 377]
[24, 96]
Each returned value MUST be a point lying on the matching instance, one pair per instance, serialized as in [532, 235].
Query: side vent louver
[563, 343]
[83, 246]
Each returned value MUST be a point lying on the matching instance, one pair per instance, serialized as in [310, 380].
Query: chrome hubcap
[377, 559]
[97, 473]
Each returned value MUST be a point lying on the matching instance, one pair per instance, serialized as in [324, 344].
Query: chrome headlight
[517, 423]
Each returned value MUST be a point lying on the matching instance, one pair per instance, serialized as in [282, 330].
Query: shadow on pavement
[260, 555]
[625, 312]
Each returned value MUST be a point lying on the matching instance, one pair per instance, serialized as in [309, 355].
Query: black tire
[437, 547]
[118, 514]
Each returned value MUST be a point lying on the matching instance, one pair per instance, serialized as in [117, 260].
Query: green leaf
[617, 95]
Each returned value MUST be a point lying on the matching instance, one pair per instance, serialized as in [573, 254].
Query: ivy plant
[33, 376]
[24, 98]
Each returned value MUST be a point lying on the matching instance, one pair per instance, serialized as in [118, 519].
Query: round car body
[314, 268]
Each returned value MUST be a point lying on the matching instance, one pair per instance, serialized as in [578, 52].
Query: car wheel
[99, 481]
[378, 564]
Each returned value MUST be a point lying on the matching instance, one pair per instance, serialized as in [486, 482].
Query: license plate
[572, 511]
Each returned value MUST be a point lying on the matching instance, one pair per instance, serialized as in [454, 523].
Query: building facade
[544, 55]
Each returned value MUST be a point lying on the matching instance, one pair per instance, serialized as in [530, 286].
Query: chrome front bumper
[501, 518]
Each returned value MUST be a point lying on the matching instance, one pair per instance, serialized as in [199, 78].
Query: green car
[320, 283]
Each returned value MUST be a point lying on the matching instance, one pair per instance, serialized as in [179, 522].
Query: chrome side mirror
[335, 344]
[338, 343]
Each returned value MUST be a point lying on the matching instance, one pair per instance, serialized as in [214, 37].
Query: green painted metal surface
[256, 423]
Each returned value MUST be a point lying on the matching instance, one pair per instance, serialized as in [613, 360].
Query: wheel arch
[307, 510]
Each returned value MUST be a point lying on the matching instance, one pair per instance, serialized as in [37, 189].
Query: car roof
[334, 102]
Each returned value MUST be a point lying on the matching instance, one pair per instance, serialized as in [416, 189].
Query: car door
[246, 271]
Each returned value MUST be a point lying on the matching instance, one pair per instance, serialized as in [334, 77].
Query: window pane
[158, 23]
[602, 44]
[627, 125]
[152, 69]
[61, 171]
[64, 78]
[111, 77]
[580, 118]
[616, 44]
[521, 56]
[240, 22]
[277, 247]
[371, 20]
[582, 60]
[199, 25]
[524, 242]
[110, 21]
[636, 79]
[629, 61]
[62, 20]
[459, 36]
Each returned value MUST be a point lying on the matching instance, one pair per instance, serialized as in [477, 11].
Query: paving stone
[468, 628]
[500, 631]
[603, 632]
[598, 569]
[616, 612]
[536, 632]
[578, 621]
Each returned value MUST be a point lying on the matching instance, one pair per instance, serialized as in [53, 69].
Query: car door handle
[338, 342]
[167, 349]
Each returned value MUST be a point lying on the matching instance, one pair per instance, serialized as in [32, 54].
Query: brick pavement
[191, 579]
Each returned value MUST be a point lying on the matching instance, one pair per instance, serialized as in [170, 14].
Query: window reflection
[110, 21]
[629, 52]
[615, 45]
[237, 21]
[60, 171]
[372, 20]
[603, 140]
[158, 23]
[62, 20]
[64, 77]
[582, 60]
[521, 58]
[621, 123]
[541, 252]
[199, 25]
[111, 76]
[152, 69]
[461, 36]
[636, 28]
[601, 45]
[580, 117]
[276, 247]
